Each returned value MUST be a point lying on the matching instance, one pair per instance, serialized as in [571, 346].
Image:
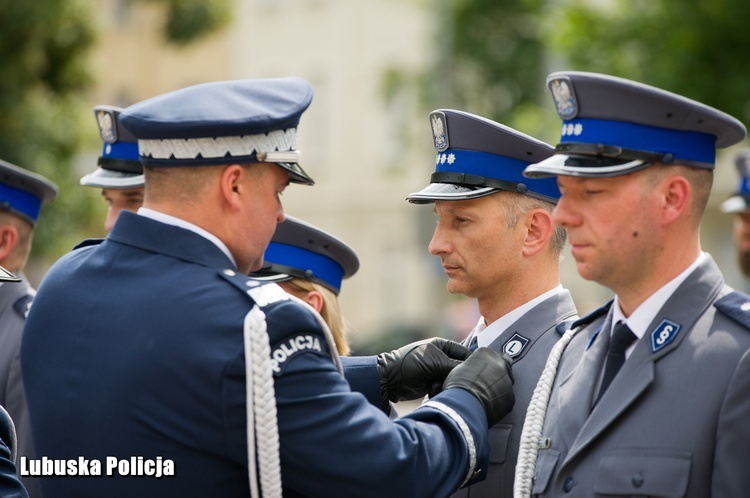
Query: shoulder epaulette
[87, 243]
[261, 292]
[736, 305]
[23, 304]
[566, 325]
[586, 319]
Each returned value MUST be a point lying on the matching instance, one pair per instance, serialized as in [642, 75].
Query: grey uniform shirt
[674, 421]
[529, 340]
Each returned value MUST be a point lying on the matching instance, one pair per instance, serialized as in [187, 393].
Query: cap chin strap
[470, 180]
[612, 152]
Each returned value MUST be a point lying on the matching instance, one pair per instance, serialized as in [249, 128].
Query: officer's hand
[488, 376]
[409, 372]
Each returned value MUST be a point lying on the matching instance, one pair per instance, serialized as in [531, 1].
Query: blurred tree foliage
[44, 116]
[494, 55]
[189, 20]
[490, 61]
[691, 47]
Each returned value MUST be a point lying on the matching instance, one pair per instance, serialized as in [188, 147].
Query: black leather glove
[488, 376]
[410, 372]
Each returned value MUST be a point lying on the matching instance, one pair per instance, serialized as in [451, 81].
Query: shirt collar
[172, 220]
[644, 314]
[492, 331]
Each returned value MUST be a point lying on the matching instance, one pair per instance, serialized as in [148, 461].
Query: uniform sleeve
[730, 476]
[361, 372]
[333, 439]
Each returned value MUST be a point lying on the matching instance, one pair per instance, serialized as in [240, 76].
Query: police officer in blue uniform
[154, 349]
[497, 242]
[22, 195]
[650, 394]
[739, 206]
[311, 264]
[119, 172]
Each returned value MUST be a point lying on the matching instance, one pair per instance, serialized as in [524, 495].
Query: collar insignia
[663, 334]
[515, 345]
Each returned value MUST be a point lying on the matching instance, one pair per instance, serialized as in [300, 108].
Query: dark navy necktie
[473, 344]
[622, 337]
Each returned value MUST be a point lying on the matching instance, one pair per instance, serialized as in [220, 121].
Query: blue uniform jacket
[133, 352]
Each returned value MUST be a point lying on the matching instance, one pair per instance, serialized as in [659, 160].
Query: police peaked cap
[301, 250]
[740, 201]
[119, 164]
[227, 122]
[23, 192]
[613, 126]
[478, 157]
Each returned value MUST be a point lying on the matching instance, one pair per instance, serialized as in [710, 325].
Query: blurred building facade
[365, 151]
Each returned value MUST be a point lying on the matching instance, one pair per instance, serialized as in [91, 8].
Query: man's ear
[8, 240]
[677, 192]
[539, 230]
[231, 185]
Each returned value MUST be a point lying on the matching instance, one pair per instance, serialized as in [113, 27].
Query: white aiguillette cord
[262, 423]
[534, 421]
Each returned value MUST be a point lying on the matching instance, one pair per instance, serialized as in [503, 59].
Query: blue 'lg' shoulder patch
[663, 334]
[736, 305]
[515, 345]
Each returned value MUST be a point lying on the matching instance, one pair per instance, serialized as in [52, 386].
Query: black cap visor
[297, 174]
[584, 166]
[448, 192]
[6, 276]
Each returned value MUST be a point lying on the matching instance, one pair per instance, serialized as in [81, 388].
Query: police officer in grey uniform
[650, 397]
[739, 206]
[497, 242]
[119, 171]
[22, 194]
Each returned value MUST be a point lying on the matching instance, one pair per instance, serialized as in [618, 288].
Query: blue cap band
[687, 145]
[21, 201]
[496, 167]
[322, 267]
[121, 150]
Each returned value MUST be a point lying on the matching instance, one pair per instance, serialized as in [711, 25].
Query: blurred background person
[739, 206]
[22, 194]
[311, 264]
[119, 173]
